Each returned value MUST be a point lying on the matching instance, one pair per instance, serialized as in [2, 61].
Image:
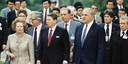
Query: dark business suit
[58, 49]
[3, 32]
[93, 50]
[114, 55]
[116, 21]
[116, 9]
[11, 17]
[30, 32]
[102, 15]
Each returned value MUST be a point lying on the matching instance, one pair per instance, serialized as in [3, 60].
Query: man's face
[33, 20]
[53, 5]
[121, 13]
[119, 2]
[95, 9]
[17, 5]
[46, 4]
[110, 5]
[86, 16]
[123, 24]
[72, 15]
[22, 15]
[65, 15]
[23, 4]
[50, 22]
[56, 12]
[107, 19]
[79, 11]
[10, 5]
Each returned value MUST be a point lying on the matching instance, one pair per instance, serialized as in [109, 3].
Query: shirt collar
[39, 26]
[107, 24]
[119, 6]
[53, 28]
[68, 22]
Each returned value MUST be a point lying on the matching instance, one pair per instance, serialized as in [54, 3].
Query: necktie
[122, 38]
[49, 38]
[66, 26]
[83, 37]
[35, 39]
[45, 17]
[107, 33]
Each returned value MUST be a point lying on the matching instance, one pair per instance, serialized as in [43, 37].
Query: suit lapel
[71, 27]
[31, 31]
[113, 27]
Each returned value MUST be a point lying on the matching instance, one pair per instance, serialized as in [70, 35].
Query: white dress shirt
[124, 33]
[44, 12]
[110, 29]
[88, 28]
[16, 12]
[119, 6]
[38, 32]
[68, 26]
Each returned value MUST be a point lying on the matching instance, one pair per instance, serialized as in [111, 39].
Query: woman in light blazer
[20, 46]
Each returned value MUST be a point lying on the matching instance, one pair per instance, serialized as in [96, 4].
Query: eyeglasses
[32, 19]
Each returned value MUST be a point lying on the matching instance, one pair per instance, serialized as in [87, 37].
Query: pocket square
[57, 36]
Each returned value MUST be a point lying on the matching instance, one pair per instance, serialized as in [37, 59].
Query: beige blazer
[23, 51]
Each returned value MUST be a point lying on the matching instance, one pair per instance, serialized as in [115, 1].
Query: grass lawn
[1, 62]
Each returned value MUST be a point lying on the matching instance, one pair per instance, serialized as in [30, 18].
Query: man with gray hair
[118, 47]
[36, 19]
[89, 43]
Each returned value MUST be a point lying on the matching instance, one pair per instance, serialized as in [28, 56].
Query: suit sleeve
[8, 19]
[66, 45]
[101, 46]
[5, 31]
[31, 50]
[40, 48]
[2, 14]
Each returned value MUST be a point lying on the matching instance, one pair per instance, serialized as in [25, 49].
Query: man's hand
[12, 55]
[4, 47]
[38, 62]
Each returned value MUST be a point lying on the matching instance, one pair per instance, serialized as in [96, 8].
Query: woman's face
[19, 27]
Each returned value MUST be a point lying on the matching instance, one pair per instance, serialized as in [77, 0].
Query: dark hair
[110, 13]
[17, 1]
[77, 4]
[45, 1]
[53, 2]
[22, 11]
[10, 1]
[69, 11]
[24, 0]
[94, 5]
[63, 6]
[56, 9]
[79, 7]
[109, 1]
[53, 15]
[122, 9]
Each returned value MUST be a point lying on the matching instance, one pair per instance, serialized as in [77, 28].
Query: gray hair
[72, 8]
[38, 15]
[91, 10]
[124, 17]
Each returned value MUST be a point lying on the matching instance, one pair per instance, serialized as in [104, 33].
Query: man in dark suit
[120, 5]
[54, 45]
[108, 26]
[46, 10]
[118, 47]
[12, 15]
[36, 20]
[109, 5]
[121, 12]
[3, 33]
[89, 44]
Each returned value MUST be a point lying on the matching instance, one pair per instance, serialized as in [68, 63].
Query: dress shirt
[88, 28]
[68, 26]
[44, 12]
[119, 6]
[110, 29]
[16, 12]
[79, 17]
[38, 32]
[124, 33]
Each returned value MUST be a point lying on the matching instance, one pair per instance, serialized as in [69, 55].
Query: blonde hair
[19, 20]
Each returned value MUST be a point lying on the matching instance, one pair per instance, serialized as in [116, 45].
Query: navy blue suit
[116, 21]
[102, 15]
[93, 50]
[3, 32]
[59, 48]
